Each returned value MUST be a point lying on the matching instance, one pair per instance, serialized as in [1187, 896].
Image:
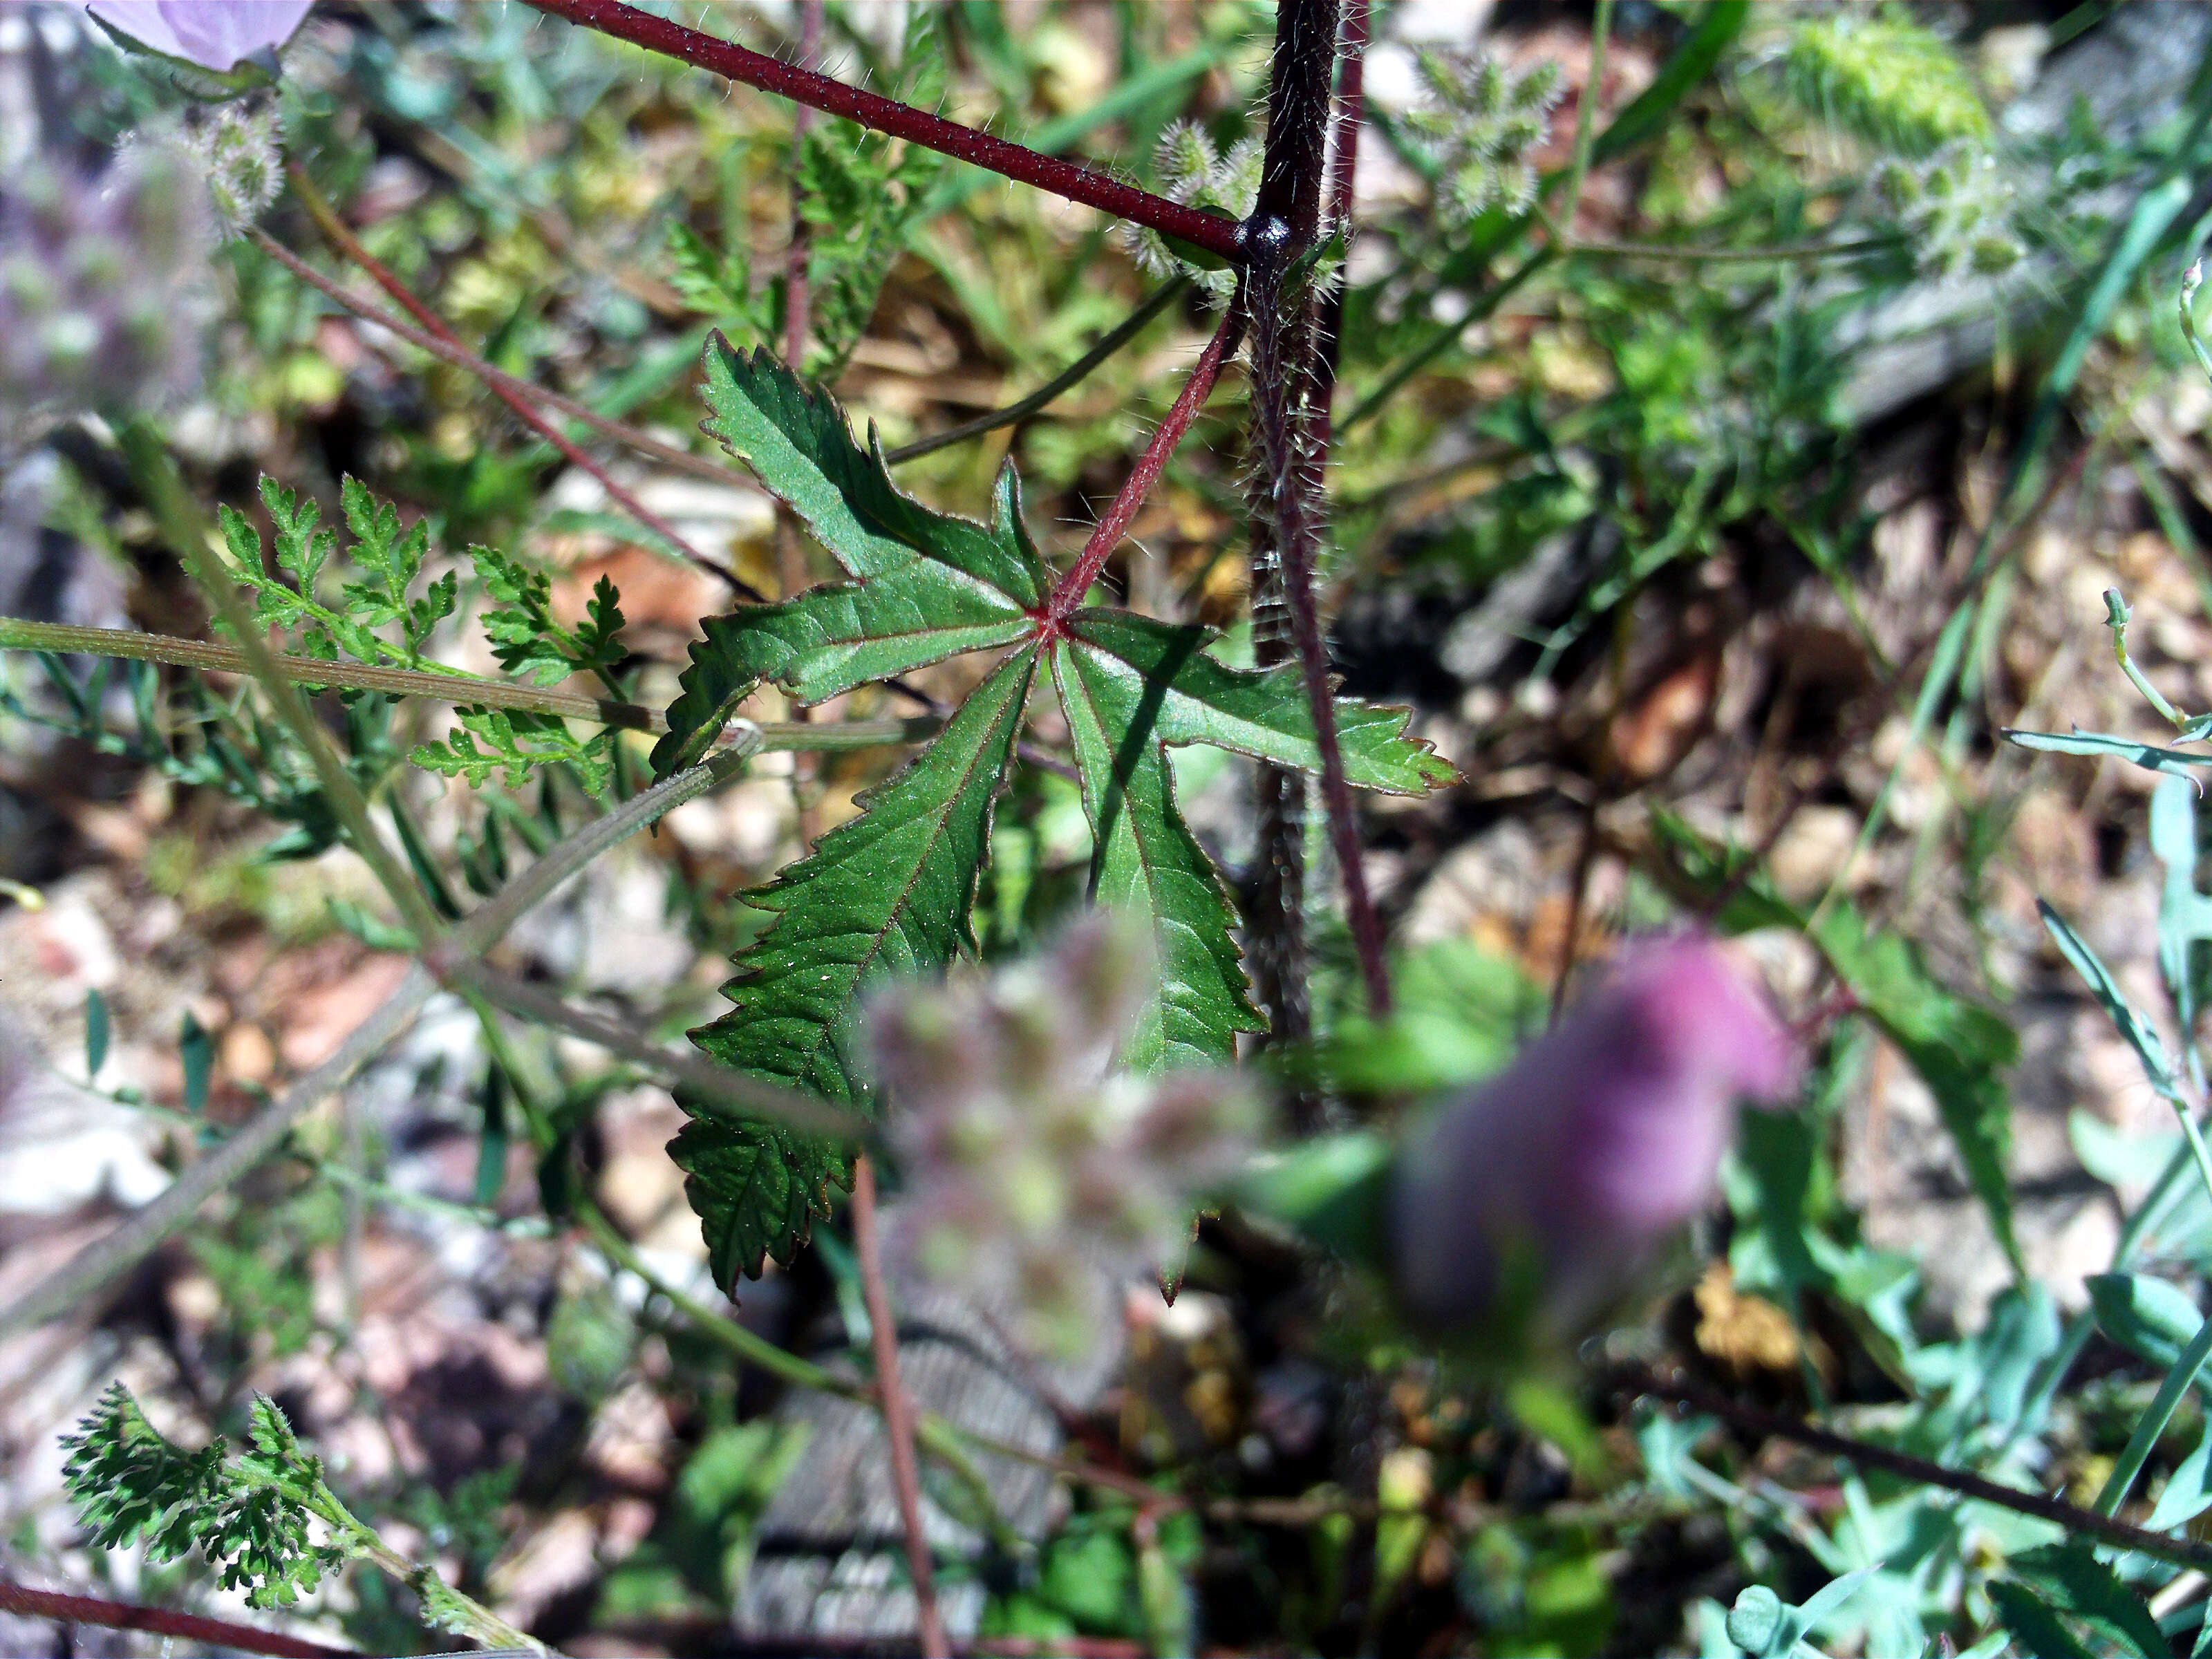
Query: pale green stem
[16, 634]
[1586, 120]
[130, 1242]
[1723, 256]
[462, 1614]
[2116, 619]
[725, 1090]
[939, 1438]
[179, 517]
[2153, 1421]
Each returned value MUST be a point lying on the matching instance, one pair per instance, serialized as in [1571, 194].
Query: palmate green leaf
[1146, 859]
[927, 585]
[1130, 686]
[892, 890]
[1263, 714]
[887, 892]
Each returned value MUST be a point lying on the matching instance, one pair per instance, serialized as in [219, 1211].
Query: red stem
[1067, 593]
[1211, 231]
[157, 1621]
[797, 311]
[334, 228]
[898, 1410]
[1350, 116]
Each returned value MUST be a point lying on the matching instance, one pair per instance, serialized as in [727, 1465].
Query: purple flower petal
[1602, 1137]
[216, 34]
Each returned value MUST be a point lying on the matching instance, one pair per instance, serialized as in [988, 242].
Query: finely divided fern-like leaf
[886, 892]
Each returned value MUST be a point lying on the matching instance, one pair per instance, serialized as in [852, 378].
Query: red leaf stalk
[898, 1409]
[336, 233]
[1211, 231]
[159, 1621]
[1067, 593]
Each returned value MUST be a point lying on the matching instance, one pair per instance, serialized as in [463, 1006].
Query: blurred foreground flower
[1036, 1174]
[1532, 1200]
[216, 34]
[102, 284]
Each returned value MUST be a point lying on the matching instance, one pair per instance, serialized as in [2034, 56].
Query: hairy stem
[721, 1089]
[61, 639]
[460, 357]
[1344, 166]
[22, 1600]
[1210, 231]
[898, 1408]
[1124, 331]
[130, 1242]
[1284, 223]
[1283, 303]
[339, 237]
[1067, 593]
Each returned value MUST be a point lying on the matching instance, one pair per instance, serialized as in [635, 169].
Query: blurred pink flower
[216, 34]
[1539, 1193]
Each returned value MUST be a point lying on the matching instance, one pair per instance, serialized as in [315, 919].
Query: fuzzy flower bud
[1480, 122]
[216, 34]
[1536, 1196]
[1191, 172]
[241, 163]
[1955, 210]
[100, 284]
[1035, 1173]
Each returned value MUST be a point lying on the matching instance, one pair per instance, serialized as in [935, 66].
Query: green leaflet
[1131, 686]
[1199, 699]
[1146, 859]
[2068, 1578]
[928, 585]
[799, 442]
[886, 892]
[1959, 1049]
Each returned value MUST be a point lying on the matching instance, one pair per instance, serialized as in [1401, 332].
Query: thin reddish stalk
[339, 236]
[898, 1409]
[1067, 593]
[797, 310]
[158, 1621]
[498, 379]
[1216, 234]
